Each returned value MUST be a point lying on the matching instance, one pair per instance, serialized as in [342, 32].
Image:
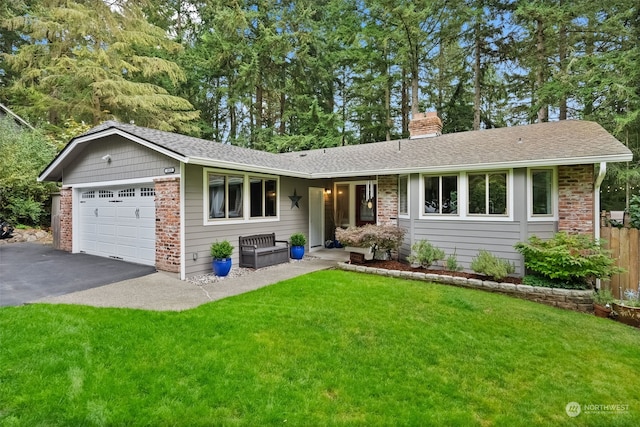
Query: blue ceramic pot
[221, 267]
[297, 252]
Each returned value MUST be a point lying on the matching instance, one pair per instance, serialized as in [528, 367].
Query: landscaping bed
[402, 266]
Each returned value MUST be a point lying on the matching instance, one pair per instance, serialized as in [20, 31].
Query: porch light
[327, 191]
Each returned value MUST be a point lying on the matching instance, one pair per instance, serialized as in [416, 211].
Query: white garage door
[119, 222]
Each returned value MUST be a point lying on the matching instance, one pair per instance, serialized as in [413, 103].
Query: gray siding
[542, 229]
[199, 237]
[467, 237]
[129, 160]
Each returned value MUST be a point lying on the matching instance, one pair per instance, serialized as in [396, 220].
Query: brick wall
[66, 220]
[575, 199]
[387, 200]
[168, 224]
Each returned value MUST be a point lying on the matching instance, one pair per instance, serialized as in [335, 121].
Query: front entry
[365, 205]
[316, 217]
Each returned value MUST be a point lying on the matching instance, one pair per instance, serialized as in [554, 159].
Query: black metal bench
[262, 250]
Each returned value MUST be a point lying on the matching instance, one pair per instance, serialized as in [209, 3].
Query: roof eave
[224, 164]
[480, 166]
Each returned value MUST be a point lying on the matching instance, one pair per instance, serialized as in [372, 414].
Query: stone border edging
[571, 299]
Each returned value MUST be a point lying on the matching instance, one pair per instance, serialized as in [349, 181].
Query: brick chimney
[425, 125]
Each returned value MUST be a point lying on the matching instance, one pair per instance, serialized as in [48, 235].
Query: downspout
[596, 205]
[596, 199]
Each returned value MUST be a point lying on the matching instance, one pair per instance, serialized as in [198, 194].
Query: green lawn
[329, 348]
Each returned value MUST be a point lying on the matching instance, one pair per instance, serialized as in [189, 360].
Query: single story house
[161, 198]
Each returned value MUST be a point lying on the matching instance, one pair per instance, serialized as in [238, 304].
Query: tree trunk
[415, 107]
[258, 109]
[283, 101]
[562, 53]
[387, 95]
[404, 107]
[476, 79]
[543, 111]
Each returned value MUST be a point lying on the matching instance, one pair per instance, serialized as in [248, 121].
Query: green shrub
[451, 263]
[603, 296]
[425, 254]
[385, 238]
[24, 154]
[545, 282]
[298, 239]
[492, 266]
[569, 258]
[221, 250]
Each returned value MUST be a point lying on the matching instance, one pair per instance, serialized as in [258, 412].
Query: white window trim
[246, 191]
[463, 190]
[554, 195]
[408, 214]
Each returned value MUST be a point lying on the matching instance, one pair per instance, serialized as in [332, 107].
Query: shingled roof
[546, 144]
[554, 143]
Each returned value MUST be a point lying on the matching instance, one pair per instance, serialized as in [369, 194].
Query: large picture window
[487, 193]
[542, 192]
[230, 195]
[441, 195]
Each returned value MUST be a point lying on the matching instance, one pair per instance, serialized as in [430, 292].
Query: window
[147, 192]
[441, 194]
[225, 196]
[488, 193]
[262, 197]
[343, 217]
[403, 195]
[542, 192]
[233, 196]
[129, 192]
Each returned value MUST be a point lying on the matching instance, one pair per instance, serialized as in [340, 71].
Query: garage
[118, 222]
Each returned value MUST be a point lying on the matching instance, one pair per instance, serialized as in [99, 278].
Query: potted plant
[221, 254]
[602, 300]
[298, 240]
[627, 310]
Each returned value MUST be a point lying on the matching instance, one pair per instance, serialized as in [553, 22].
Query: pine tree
[91, 61]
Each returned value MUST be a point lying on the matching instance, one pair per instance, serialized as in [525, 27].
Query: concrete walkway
[164, 292]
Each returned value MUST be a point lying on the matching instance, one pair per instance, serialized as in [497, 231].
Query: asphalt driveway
[31, 271]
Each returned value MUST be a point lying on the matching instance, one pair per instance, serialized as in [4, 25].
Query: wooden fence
[624, 244]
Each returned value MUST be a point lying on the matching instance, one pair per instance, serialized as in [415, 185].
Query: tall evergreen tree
[92, 61]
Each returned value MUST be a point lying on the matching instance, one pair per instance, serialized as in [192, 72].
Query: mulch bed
[397, 265]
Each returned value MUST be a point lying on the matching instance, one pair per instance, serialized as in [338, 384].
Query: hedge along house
[161, 199]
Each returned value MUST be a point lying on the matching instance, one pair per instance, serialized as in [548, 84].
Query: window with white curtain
[228, 194]
[225, 196]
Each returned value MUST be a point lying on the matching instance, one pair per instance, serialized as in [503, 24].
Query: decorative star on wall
[295, 199]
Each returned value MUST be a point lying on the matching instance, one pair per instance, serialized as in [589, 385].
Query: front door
[316, 217]
[365, 208]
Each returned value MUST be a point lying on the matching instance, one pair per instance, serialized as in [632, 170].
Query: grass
[329, 348]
